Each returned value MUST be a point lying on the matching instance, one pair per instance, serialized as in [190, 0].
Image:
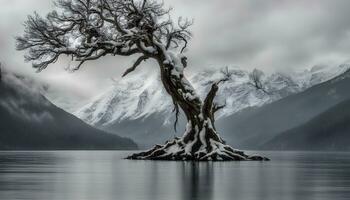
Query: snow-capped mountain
[140, 95]
[319, 74]
[259, 125]
[129, 98]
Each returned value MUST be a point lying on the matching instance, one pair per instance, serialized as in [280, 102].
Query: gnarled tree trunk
[200, 142]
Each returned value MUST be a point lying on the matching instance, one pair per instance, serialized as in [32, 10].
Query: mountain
[138, 107]
[329, 130]
[29, 121]
[253, 127]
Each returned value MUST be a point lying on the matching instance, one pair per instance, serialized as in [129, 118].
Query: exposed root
[176, 149]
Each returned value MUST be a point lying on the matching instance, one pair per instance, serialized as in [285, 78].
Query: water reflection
[104, 175]
[196, 181]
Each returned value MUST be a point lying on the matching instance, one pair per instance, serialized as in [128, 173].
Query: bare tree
[255, 78]
[90, 29]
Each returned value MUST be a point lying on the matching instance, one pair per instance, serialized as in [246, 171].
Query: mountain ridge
[255, 126]
[118, 109]
[119, 103]
[327, 131]
[30, 122]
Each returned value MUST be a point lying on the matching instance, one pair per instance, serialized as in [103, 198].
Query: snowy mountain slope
[141, 95]
[139, 108]
[135, 97]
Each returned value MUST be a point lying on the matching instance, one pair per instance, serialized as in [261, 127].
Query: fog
[270, 35]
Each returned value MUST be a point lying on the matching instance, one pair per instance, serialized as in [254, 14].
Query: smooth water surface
[104, 175]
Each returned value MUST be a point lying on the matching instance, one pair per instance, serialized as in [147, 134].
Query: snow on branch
[89, 29]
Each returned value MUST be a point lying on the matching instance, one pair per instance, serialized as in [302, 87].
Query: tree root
[178, 151]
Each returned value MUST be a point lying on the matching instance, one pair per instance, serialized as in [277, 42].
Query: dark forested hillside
[29, 121]
[328, 131]
[255, 126]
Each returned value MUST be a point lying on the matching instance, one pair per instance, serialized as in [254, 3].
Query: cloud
[16, 108]
[270, 35]
[23, 99]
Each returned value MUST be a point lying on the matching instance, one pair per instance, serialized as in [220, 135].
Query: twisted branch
[88, 30]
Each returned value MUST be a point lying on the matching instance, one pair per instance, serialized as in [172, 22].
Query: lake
[104, 175]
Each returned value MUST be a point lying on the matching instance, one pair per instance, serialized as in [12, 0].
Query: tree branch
[209, 107]
[135, 65]
[255, 78]
[85, 27]
[208, 101]
[217, 107]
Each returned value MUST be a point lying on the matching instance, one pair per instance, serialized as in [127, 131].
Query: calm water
[103, 175]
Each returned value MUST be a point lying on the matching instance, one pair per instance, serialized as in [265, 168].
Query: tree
[90, 29]
[255, 78]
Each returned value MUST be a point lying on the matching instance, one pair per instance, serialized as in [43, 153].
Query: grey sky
[270, 35]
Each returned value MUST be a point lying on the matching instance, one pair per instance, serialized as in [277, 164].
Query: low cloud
[270, 35]
[23, 100]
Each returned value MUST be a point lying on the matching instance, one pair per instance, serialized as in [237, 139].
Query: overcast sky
[270, 35]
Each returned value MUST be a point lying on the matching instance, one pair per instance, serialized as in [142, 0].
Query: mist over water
[104, 175]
